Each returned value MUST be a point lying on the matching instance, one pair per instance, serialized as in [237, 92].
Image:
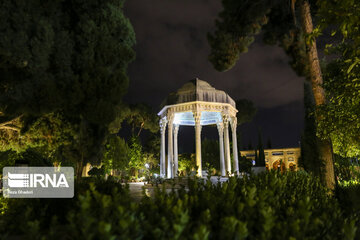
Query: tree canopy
[246, 111]
[65, 61]
[115, 154]
[140, 117]
[278, 20]
[341, 119]
[54, 58]
[239, 23]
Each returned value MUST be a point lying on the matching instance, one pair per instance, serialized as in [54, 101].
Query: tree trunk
[79, 169]
[141, 128]
[325, 148]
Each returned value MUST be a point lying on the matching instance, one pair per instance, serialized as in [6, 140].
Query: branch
[11, 121]
[293, 10]
[10, 125]
[141, 127]
[14, 128]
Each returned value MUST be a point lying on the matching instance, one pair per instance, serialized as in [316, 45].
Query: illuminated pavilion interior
[197, 104]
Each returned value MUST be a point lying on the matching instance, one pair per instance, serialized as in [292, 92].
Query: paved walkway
[137, 192]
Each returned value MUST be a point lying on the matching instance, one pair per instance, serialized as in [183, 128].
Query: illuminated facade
[280, 158]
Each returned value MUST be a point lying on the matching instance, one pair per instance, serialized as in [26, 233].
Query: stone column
[176, 165]
[235, 149]
[227, 144]
[162, 147]
[197, 116]
[170, 118]
[220, 127]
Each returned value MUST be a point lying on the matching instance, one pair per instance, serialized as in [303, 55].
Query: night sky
[172, 49]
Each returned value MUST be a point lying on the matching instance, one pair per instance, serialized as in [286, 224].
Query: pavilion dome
[197, 90]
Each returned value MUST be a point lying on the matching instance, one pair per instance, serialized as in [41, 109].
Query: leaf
[328, 45]
[353, 65]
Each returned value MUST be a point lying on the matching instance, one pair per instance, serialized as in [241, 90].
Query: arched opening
[279, 165]
[292, 167]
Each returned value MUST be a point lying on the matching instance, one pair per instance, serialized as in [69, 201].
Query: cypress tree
[250, 146]
[256, 158]
[269, 145]
[261, 158]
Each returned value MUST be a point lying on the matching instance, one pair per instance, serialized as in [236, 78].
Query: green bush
[34, 216]
[269, 206]
[187, 164]
[245, 164]
[349, 196]
[266, 206]
[97, 171]
[347, 171]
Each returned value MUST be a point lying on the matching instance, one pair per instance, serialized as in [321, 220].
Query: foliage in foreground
[267, 206]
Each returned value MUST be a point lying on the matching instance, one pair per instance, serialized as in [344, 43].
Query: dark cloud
[172, 49]
[283, 125]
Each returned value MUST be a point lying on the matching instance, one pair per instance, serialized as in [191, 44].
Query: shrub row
[266, 206]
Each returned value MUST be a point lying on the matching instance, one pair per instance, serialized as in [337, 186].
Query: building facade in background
[278, 159]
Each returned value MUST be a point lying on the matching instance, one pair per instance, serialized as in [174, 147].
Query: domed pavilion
[197, 104]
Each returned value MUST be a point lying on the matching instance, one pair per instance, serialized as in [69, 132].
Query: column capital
[170, 119]
[225, 118]
[233, 123]
[176, 129]
[197, 117]
[220, 127]
[162, 124]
